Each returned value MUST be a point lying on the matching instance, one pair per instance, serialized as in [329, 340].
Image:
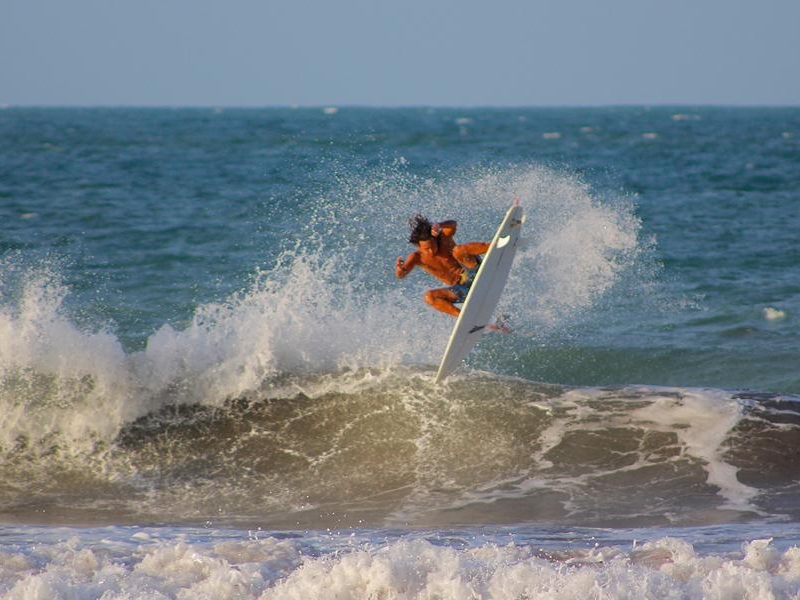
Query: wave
[388, 446]
[328, 302]
[310, 387]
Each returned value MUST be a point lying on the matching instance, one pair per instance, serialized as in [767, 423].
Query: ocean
[213, 386]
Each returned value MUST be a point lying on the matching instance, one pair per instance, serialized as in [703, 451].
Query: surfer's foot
[500, 326]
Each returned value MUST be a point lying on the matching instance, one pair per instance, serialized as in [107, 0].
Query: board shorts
[462, 289]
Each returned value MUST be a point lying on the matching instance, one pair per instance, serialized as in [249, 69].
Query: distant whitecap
[685, 117]
[650, 136]
[551, 135]
[773, 314]
[330, 110]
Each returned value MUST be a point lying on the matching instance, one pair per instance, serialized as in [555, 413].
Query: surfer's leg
[467, 254]
[443, 299]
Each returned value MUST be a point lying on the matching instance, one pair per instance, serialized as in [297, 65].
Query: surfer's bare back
[438, 255]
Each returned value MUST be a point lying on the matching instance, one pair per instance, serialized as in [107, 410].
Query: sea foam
[328, 303]
[406, 569]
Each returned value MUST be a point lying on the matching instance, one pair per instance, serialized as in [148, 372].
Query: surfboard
[485, 292]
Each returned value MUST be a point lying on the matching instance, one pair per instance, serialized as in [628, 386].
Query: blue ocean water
[212, 384]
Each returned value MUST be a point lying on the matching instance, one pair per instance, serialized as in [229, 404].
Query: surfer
[437, 254]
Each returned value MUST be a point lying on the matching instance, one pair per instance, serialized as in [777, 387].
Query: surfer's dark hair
[420, 229]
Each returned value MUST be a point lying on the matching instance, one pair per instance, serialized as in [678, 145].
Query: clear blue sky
[399, 52]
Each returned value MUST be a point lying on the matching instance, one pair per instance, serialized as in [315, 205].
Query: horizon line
[346, 106]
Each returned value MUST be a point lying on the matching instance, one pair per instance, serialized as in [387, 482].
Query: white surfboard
[485, 292]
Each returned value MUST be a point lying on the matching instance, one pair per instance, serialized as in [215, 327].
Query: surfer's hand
[399, 269]
[436, 229]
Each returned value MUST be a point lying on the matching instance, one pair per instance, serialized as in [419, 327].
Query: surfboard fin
[499, 326]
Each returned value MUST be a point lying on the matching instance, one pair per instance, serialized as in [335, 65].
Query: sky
[399, 52]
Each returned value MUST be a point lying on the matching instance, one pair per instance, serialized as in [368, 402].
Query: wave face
[376, 447]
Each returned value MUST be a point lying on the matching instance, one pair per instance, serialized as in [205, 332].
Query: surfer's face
[428, 246]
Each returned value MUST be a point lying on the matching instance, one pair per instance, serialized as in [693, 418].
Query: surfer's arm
[404, 267]
[446, 228]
